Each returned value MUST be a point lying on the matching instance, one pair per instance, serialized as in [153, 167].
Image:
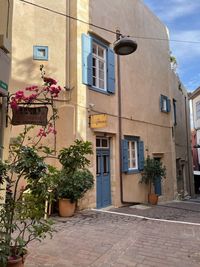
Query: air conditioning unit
[5, 44]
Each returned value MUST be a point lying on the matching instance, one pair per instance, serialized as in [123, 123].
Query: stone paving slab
[98, 239]
[186, 211]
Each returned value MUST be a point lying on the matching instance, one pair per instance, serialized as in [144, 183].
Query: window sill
[163, 111]
[99, 90]
[132, 171]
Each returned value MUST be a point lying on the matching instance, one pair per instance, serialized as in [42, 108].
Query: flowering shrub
[22, 215]
[47, 91]
[39, 94]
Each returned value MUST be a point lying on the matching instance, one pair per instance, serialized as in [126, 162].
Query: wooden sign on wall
[98, 121]
[30, 115]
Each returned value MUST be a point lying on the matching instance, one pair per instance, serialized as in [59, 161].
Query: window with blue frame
[98, 65]
[40, 52]
[132, 154]
[165, 104]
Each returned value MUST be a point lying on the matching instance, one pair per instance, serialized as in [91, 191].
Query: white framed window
[102, 142]
[132, 155]
[99, 66]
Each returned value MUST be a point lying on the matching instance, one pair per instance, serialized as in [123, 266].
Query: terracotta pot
[16, 262]
[153, 199]
[66, 208]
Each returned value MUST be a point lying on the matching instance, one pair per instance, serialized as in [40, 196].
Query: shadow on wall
[27, 71]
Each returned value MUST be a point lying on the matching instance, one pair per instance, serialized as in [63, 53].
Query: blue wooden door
[103, 178]
[157, 186]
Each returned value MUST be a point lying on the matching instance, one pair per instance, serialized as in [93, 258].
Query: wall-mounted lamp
[124, 45]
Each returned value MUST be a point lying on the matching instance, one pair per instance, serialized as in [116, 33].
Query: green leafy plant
[75, 179]
[22, 213]
[153, 169]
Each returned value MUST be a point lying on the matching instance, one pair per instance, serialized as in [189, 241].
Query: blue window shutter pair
[87, 64]
[125, 155]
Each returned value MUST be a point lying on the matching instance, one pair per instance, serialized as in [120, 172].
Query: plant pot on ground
[152, 170]
[74, 179]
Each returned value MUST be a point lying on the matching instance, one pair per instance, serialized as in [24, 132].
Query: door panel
[103, 178]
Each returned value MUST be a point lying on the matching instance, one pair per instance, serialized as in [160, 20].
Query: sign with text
[3, 88]
[98, 121]
[30, 115]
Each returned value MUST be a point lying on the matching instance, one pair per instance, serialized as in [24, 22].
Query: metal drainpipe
[186, 124]
[120, 129]
[8, 18]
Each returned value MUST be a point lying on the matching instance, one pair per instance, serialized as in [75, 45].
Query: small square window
[40, 52]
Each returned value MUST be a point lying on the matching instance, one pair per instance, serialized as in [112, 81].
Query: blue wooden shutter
[161, 102]
[111, 71]
[124, 155]
[140, 155]
[86, 59]
[157, 186]
[168, 105]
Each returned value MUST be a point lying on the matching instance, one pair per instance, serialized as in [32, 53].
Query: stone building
[74, 40]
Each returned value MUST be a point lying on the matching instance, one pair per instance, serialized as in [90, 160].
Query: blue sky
[182, 19]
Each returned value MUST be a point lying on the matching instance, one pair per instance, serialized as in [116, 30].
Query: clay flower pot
[66, 208]
[153, 199]
[18, 262]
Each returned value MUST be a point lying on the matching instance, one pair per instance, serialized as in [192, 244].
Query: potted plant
[74, 179]
[22, 215]
[153, 170]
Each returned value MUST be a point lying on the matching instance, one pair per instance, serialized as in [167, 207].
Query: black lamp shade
[124, 46]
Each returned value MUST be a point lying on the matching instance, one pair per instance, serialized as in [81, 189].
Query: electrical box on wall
[5, 64]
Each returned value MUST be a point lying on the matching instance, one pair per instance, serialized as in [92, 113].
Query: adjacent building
[195, 103]
[128, 107]
[181, 132]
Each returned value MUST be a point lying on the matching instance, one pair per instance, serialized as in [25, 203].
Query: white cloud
[183, 50]
[170, 10]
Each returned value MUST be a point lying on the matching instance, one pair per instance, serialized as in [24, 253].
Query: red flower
[42, 133]
[13, 104]
[32, 88]
[19, 95]
[49, 80]
[30, 98]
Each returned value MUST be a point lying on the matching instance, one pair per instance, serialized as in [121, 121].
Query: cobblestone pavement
[187, 211]
[99, 239]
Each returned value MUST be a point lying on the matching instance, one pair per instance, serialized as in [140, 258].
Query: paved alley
[102, 239]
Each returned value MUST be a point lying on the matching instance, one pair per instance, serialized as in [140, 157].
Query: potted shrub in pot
[74, 179]
[153, 170]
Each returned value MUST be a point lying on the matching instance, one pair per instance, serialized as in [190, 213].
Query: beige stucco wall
[144, 76]
[40, 29]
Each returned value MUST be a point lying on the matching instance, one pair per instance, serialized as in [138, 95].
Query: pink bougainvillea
[49, 90]
[34, 93]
